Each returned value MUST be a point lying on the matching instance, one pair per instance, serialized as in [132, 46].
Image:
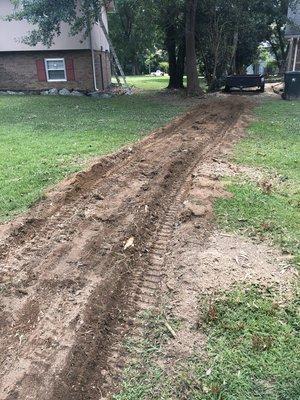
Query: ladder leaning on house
[116, 63]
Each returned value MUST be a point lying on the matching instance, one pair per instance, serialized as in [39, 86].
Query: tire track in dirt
[69, 289]
[149, 283]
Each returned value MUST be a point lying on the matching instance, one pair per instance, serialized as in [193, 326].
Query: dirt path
[69, 289]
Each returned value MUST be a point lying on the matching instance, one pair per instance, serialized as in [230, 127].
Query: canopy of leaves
[229, 32]
[47, 16]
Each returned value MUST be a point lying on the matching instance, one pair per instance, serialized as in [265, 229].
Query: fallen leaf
[129, 243]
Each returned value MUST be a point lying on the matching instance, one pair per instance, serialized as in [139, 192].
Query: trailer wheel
[262, 88]
[227, 89]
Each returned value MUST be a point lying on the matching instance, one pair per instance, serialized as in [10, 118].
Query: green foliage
[47, 17]
[228, 32]
[156, 59]
[130, 37]
[43, 139]
[265, 54]
[164, 66]
[275, 12]
[273, 144]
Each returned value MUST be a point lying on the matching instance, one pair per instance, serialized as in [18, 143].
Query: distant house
[259, 68]
[293, 35]
[73, 62]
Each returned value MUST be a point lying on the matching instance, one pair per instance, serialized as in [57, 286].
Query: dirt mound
[69, 285]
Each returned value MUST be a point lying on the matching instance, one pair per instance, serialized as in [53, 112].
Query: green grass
[145, 379]
[44, 139]
[253, 347]
[147, 82]
[273, 144]
[253, 353]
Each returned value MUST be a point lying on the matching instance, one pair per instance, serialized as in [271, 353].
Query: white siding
[11, 34]
[98, 37]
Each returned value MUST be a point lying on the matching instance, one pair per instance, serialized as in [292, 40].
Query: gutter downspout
[93, 62]
[290, 55]
[296, 54]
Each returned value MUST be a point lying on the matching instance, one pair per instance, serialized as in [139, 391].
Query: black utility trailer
[245, 82]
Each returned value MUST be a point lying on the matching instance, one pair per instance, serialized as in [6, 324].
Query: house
[259, 68]
[72, 62]
[293, 35]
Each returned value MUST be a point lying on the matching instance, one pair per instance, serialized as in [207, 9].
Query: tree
[127, 30]
[170, 20]
[230, 31]
[193, 86]
[277, 11]
[165, 22]
[47, 16]
[213, 35]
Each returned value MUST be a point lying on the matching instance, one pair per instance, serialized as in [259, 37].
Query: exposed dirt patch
[202, 262]
[266, 180]
[70, 288]
[203, 265]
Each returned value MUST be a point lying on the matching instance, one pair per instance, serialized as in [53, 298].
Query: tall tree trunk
[193, 87]
[234, 50]
[176, 60]
[283, 48]
[181, 63]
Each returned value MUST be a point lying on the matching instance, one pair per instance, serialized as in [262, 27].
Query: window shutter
[70, 69]
[41, 71]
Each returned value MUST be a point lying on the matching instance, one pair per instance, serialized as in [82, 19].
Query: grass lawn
[273, 144]
[253, 347]
[253, 352]
[147, 82]
[43, 139]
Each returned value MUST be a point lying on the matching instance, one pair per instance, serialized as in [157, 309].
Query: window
[55, 69]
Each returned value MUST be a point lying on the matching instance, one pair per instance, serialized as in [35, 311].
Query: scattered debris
[129, 243]
[170, 329]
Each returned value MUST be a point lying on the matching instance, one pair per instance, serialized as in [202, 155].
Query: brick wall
[18, 70]
[102, 69]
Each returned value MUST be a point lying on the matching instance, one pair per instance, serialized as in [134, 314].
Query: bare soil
[80, 265]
